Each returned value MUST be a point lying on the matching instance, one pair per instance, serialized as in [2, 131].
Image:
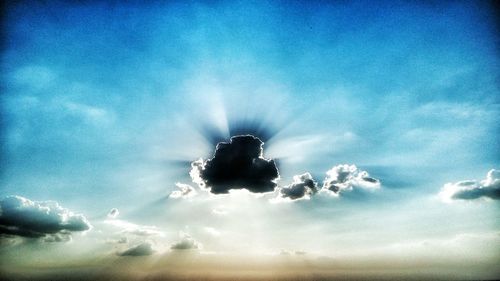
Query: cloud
[87, 112]
[35, 76]
[220, 211]
[144, 231]
[345, 177]
[45, 219]
[113, 213]
[58, 237]
[134, 229]
[473, 189]
[185, 191]
[302, 187]
[144, 249]
[290, 253]
[121, 240]
[212, 231]
[238, 164]
[186, 243]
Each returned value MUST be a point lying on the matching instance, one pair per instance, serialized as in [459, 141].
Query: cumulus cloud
[186, 243]
[237, 164]
[302, 187]
[346, 177]
[473, 189]
[113, 213]
[20, 216]
[144, 249]
[185, 191]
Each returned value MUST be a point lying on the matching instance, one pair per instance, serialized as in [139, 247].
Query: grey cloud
[113, 213]
[345, 177]
[237, 164]
[302, 187]
[186, 243]
[144, 249]
[472, 189]
[185, 191]
[58, 237]
[290, 253]
[47, 219]
[145, 231]
[285, 253]
[122, 240]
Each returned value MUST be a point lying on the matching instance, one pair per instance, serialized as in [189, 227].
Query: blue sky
[104, 106]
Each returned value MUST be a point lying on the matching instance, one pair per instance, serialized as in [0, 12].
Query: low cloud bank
[20, 216]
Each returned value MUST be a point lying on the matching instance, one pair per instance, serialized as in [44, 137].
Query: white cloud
[35, 76]
[212, 231]
[135, 229]
[91, 114]
[220, 211]
[185, 191]
[473, 189]
[345, 177]
[196, 168]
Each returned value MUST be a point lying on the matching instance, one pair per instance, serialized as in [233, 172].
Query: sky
[318, 139]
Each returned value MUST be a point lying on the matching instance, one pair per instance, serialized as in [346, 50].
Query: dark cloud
[345, 177]
[472, 189]
[302, 187]
[113, 213]
[238, 164]
[22, 217]
[186, 243]
[144, 249]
